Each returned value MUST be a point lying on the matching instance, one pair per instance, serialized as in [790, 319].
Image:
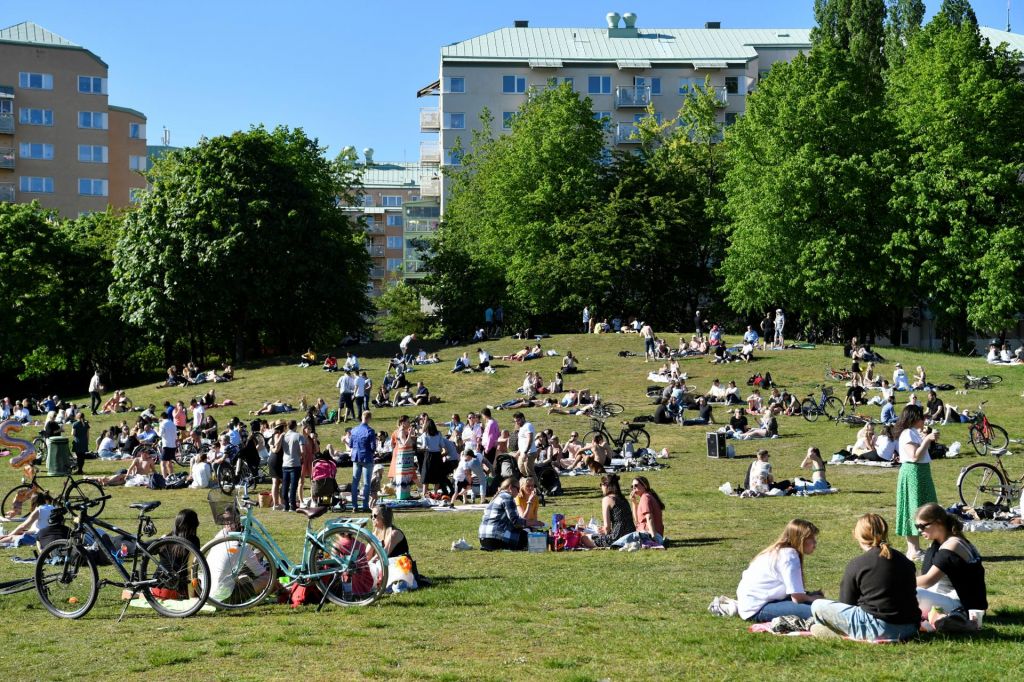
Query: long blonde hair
[872, 530]
[796, 533]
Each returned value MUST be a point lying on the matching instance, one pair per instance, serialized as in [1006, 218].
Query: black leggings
[492, 545]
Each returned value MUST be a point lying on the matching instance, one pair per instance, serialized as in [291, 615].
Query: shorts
[167, 454]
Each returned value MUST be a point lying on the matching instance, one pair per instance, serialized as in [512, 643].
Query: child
[817, 465]
[468, 467]
[201, 472]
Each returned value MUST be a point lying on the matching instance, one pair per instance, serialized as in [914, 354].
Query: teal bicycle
[343, 560]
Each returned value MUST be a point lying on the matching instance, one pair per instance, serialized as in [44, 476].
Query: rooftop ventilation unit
[521, 23]
[712, 24]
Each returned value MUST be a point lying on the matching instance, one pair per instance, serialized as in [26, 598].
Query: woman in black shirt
[953, 575]
[877, 598]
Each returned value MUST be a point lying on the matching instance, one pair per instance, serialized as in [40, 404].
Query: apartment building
[61, 142]
[398, 200]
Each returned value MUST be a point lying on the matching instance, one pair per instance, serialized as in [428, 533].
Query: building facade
[61, 142]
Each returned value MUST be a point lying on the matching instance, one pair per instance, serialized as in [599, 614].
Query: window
[732, 85]
[643, 82]
[392, 201]
[35, 81]
[686, 86]
[513, 85]
[395, 242]
[135, 194]
[92, 119]
[6, 106]
[35, 117]
[730, 118]
[92, 153]
[454, 85]
[454, 121]
[570, 82]
[27, 183]
[604, 117]
[453, 157]
[367, 200]
[506, 119]
[655, 86]
[599, 85]
[640, 117]
[92, 85]
[92, 187]
[35, 150]
[136, 131]
[137, 163]
[394, 264]
[394, 220]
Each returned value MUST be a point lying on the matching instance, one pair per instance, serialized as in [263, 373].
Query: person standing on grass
[359, 393]
[80, 440]
[526, 452]
[169, 445]
[914, 487]
[404, 345]
[647, 334]
[489, 437]
[290, 447]
[95, 400]
[766, 330]
[586, 320]
[780, 323]
[698, 325]
[363, 441]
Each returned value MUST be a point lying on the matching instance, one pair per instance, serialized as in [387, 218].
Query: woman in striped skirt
[915, 486]
[403, 459]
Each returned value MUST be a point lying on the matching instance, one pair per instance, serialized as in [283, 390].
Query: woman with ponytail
[877, 598]
[953, 575]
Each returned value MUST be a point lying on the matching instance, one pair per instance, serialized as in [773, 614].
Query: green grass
[579, 616]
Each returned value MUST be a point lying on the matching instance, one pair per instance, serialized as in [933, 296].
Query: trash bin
[58, 456]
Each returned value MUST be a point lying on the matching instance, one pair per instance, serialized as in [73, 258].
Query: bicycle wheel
[359, 563]
[834, 408]
[589, 438]
[225, 478]
[638, 436]
[979, 441]
[245, 572]
[17, 502]
[86, 491]
[247, 477]
[179, 577]
[981, 483]
[809, 409]
[981, 384]
[185, 453]
[612, 409]
[39, 444]
[66, 579]
[993, 378]
[998, 439]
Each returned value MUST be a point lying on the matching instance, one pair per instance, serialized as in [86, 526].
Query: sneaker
[955, 622]
[819, 630]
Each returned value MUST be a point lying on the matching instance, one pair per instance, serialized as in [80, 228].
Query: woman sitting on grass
[526, 501]
[393, 539]
[773, 584]
[502, 527]
[876, 595]
[647, 510]
[616, 515]
[593, 456]
[953, 575]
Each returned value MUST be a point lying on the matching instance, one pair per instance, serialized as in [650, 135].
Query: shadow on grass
[1005, 616]
[869, 492]
[695, 542]
[997, 559]
[439, 580]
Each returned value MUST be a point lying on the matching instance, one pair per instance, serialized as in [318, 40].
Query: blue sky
[346, 72]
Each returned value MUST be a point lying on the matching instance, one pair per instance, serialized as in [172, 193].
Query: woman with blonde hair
[773, 584]
[877, 596]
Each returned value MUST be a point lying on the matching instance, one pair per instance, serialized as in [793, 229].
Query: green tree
[958, 108]
[400, 313]
[240, 246]
[903, 20]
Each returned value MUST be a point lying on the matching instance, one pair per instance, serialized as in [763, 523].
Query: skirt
[914, 488]
[433, 471]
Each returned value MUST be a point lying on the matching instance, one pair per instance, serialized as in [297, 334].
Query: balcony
[375, 250]
[7, 122]
[430, 187]
[628, 96]
[376, 273]
[430, 120]
[374, 228]
[721, 95]
[7, 157]
[7, 191]
[430, 153]
[626, 133]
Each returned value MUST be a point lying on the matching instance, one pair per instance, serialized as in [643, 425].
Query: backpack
[176, 481]
[157, 481]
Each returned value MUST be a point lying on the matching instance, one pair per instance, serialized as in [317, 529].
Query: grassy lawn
[577, 616]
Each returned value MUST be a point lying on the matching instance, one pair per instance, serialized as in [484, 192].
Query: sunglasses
[923, 526]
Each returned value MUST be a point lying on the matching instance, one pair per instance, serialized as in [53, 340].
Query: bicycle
[631, 433]
[14, 501]
[604, 410]
[346, 561]
[837, 374]
[980, 382]
[983, 483]
[985, 435]
[169, 572]
[238, 474]
[827, 404]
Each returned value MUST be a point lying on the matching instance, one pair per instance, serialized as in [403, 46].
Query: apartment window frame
[391, 200]
[136, 131]
[94, 85]
[605, 118]
[45, 152]
[35, 184]
[393, 220]
[137, 162]
[687, 86]
[393, 264]
[732, 85]
[454, 120]
[507, 117]
[96, 187]
[87, 120]
[599, 85]
[27, 80]
[25, 116]
[395, 243]
[454, 85]
[453, 157]
[512, 84]
[90, 157]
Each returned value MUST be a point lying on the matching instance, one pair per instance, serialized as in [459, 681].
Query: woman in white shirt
[773, 584]
[915, 486]
[201, 471]
[108, 445]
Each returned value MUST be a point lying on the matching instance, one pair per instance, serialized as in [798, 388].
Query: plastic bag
[400, 571]
[726, 488]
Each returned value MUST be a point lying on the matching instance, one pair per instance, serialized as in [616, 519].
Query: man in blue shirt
[364, 444]
[889, 411]
[751, 336]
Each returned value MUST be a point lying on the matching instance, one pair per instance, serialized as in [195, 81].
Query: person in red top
[647, 509]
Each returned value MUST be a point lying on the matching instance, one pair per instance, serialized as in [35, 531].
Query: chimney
[522, 23]
[628, 31]
[712, 24]
[613, 19]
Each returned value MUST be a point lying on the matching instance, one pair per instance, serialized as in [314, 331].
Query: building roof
[396, 175]
[997, 37]
[126, 110]
[595, 45]
[28, 32]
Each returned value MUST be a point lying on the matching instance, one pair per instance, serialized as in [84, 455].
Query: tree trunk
[896, 326]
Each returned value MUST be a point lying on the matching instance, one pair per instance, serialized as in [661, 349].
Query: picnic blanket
[769, 628]
[462, 508]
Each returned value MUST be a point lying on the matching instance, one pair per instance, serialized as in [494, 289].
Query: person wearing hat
[274, 464]
[900, 382]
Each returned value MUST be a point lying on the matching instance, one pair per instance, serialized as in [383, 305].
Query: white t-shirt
[223, 560]
[404, 345]
[780, 321]
[885, 448]
[108, 443]
[94, 384]
[911, 438]
[198, 415]
[360, 389]
[527, 438]
[471, 437]
[771, 576]
[168, 433]
[760, 472]
[201, 475]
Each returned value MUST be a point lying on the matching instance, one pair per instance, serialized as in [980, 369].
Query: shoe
[955, 622]
[822, 632]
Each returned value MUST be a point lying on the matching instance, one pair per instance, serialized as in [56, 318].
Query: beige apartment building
[61, 142]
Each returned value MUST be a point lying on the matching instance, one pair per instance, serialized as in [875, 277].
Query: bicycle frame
[86, 522]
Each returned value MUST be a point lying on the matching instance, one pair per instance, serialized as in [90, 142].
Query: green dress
[914, 487]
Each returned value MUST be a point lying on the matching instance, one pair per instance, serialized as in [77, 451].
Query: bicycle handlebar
[87, 503]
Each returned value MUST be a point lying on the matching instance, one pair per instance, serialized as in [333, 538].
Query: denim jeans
[857, 623]
[785, 607]
[290, 486]
[361, 470]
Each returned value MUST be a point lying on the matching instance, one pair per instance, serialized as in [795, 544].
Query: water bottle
[627, 451]
[122, 553]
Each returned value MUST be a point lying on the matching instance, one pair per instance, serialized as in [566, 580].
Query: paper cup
[976, 616]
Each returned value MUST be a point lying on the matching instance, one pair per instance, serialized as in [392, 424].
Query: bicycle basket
[828, 391]
[224, 508]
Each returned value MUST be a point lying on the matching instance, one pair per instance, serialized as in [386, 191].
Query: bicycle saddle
[144, 506]
[314, 513]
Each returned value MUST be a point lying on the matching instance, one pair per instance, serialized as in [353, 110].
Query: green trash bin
[58, 456]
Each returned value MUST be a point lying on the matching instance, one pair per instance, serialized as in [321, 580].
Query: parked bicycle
[169, 572]
[239, 474]
[985, 435]
[979, 382]
[983, 482]
[837, 374]
[345, 560]
[16, 501]
[826, 404]
[631, 433]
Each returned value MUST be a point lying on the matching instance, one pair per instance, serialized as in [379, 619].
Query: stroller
[325, 485]
[505, 466]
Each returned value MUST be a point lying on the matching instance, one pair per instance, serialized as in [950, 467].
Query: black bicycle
[631, 433]
[169, 572]
[827, 404]
[16, 502]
